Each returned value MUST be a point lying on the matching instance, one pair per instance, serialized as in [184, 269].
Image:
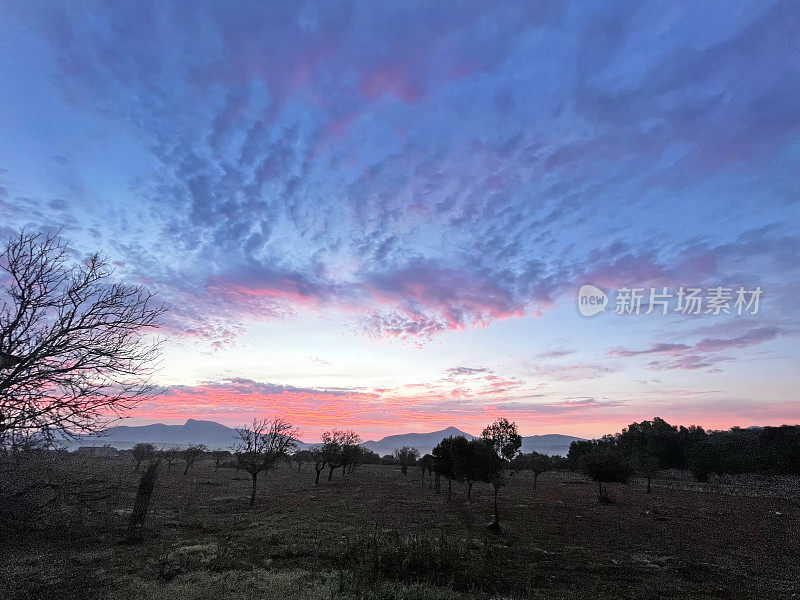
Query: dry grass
[370, 534]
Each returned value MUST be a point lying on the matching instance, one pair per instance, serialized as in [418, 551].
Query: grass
[379, 534]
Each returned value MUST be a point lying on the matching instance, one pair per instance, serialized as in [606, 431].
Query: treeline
[654, 445]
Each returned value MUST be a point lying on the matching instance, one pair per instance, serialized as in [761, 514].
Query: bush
[437, 560]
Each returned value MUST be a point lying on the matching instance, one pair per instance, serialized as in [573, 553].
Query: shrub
[438, 560]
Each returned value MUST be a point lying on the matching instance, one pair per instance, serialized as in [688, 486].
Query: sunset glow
[380, 219]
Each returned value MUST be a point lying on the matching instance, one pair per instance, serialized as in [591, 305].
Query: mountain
[215, 435]
[210, 433]
[424, 442]
[549, 443]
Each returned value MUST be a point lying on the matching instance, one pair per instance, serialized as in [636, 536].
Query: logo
[591, 300]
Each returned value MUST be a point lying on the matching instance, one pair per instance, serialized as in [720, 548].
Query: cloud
[429, 169]
[662, 348]
[570, 372]
[555, 353]
[699, 355]
[458, 371]
[752, 337]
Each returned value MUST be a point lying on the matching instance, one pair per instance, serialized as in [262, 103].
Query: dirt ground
[558, 541]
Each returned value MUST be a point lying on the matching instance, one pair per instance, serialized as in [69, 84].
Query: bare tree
[351, 451]
[319, 456]
[190, 456]
[71, 339]
[301, 456]
[219, 457]
[261, 445]
[143, 452]
[340, 449]
[170, 455]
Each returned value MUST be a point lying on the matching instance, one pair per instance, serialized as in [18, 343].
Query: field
[379, 534]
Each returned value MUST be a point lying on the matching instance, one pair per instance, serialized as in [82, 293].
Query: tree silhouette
[340, 448]
[534, 462]
[190, 456]
[143, 452]
[171, 456]
[319, 457]
[450, 460]
[606, 465]
[261, 445]
[74, 337]
[301, 456]
[406, 456]
[647, 466]
[503, 438]
[219, 457]
[481, 461]
[425, 464]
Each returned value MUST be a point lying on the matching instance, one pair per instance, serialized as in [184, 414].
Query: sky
[378, 215]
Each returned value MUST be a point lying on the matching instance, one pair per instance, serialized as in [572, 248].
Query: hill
[424, 442]
[549, 443]
[215, 435]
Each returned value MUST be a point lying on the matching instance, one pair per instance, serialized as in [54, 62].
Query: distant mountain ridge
[215, 435]
[210, 433]
[424, 442]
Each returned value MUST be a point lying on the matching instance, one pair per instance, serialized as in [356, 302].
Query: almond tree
[72, 349]
[191, 454]
[261, 445]
[339, 449]
[219, 457]
[319, 457]
[351, 451]
[143, 452]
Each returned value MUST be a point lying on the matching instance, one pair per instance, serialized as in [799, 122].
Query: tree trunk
[438, 483]
[186, 470]
[469, 490]
[145, 491]
[449, 488]
[330, 473]
[648, 484]
[404, 469]
[496, 523]
[535, 477]
[253, 491]
[599, 489]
